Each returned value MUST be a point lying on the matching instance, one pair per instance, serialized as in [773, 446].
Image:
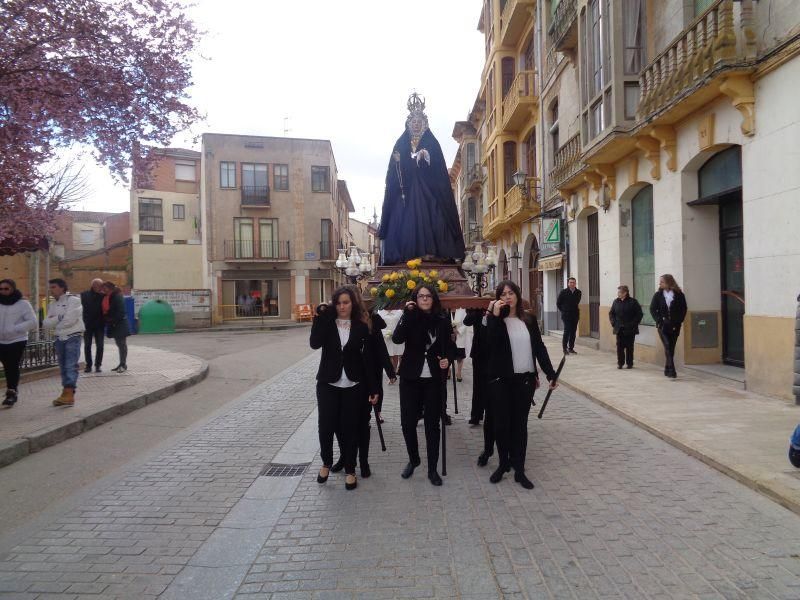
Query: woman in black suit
[113, 307]
[344, 379]
[515, 345]
[668, 309]
[425, 330]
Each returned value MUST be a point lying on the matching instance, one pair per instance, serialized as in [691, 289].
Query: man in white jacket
[65, 315]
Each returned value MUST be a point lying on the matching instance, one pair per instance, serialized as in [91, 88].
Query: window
[320, 179]
[327, 250]
[700, 6]
[631, 99]
[643, 252]
[227, 174]
[633, 27]
[721, 173]
[268, 236]
[185, 171]
[150, 218]
[280, 177]
[509, 164]
[243, 238]
[178, 212]
[507, 69]
[87, 237]
[255, 187]
[554, 139]
[178, 241]
[470, 157]
[151, 239]
[596, 65]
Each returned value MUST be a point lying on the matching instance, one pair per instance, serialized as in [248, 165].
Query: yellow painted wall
[168, 266]
[768, 351]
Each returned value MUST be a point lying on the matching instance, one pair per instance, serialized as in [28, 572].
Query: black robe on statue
[419, 216]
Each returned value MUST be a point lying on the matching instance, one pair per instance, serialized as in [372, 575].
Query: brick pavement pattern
[616, 513]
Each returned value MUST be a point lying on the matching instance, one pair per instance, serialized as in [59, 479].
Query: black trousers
[97, 334]
[414, 395]
[362, 433]
[511, 399]
[489, 420]
[338, 414]
[669, 338]
[122, 346]
[625, 348]
[478, 399]
[570, 330]
[10, 358]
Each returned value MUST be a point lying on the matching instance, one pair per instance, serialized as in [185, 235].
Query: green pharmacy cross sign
[551, 238]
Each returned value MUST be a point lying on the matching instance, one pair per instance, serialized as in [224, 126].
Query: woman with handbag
[425, 330]
[345, 378]
[514, 346]
[668, 309]
[113, 306]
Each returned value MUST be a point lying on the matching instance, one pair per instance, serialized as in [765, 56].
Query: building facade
[666, 144]
[275, 216]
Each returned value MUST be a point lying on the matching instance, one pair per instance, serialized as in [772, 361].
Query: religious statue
[419, 217]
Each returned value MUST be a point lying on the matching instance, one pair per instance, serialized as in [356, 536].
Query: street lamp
[355, 267]
[478, 265]
[520, 179]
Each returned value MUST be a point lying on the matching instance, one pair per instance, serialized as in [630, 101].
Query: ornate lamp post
[355, 267]
[520, 179]
[478, 265]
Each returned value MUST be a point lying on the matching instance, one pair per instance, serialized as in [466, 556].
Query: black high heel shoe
[320, 478]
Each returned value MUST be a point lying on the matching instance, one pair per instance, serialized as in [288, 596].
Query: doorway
[535, 283]
[732, 272]
[594, 275]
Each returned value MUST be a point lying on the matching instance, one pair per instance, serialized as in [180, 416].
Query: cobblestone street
[615, 513]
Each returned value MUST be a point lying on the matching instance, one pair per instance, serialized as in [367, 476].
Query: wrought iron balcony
[567, 161]
[515, 17]
[521, 204]
[256, 250]
[564, 31]
[698, 64]
[471, 178]
[255, 195]
[519, 104]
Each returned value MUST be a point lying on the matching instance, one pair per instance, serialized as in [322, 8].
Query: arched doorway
[593, 261]
[502, 264]
[720, 182]
[535, 284]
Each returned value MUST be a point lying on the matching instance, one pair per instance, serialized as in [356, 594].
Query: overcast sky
[338, 70]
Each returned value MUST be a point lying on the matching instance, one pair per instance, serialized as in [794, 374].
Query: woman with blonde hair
[668, 309]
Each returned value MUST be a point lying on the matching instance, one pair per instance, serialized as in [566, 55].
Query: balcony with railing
[252, 250]
[473, 234]
[521, 203]
[471, 178]
[255, 195]
[514, 19]
[564, 30]
[492, 220]
[697, 63]
[551, 61]
[519, 104]
[328, 251]
[567, 161]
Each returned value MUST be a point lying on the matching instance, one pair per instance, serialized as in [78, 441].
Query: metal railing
[255, 195]
[151, 223]
[252, 250]
[471, 176]
[40, 351]
[567, 161]
[523, 88]
[566, 16]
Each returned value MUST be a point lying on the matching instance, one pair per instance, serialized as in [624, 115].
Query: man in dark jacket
[568, 302]
[92, 300]
[625, 316]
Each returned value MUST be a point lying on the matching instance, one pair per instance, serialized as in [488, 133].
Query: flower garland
[396, 287]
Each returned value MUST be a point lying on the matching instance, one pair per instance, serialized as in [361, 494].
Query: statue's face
[416, 125]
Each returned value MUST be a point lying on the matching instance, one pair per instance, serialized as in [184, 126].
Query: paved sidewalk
[34, 423]
[743, 434]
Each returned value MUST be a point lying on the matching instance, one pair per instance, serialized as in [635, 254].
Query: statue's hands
[422, 154]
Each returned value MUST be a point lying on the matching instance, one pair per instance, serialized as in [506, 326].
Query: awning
[551, 263]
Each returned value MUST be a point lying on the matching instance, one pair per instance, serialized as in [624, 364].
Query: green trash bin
[156, 316]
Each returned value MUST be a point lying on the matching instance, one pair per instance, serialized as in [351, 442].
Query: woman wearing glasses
[344, 379]
[515, 345]
[16, 320]
[425, 330]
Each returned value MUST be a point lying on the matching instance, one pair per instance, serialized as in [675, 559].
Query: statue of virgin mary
[419, 218]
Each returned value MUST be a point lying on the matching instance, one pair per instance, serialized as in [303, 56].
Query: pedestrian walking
[668, 309]
[568, 302]
[515, 345]
[92, 300]
[392, 318]
[116, 322]
[344, 378]
[625, 316]
[65, 317]
[16, 320]
[462, 340]
[425, 330]
[482, 408]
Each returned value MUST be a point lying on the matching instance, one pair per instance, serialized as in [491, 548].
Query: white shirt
[669, 296]
[65, 315]
[520, 338]
[344, 335]
[426, 371]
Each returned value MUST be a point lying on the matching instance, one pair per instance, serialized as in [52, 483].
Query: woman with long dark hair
[668, 309]
[345, 377]
[515, 345]
[425, 330]
[16, 320]
[113, 306]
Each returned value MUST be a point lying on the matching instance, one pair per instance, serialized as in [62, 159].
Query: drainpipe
[796, 386]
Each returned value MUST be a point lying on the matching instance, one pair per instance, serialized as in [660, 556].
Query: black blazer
[92, 303]
[381, 361]
[569, 303]
[674, 315]
[413, 332]
[625, 316]
[499, 355]
[474, 319]
[354, 357]
[116, 319]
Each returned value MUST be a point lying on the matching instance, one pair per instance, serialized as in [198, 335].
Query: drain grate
[279, 470]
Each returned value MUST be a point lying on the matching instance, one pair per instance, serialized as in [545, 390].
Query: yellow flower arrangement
[386, 277]
[411, 284]
[396, 287]
[373, 292]
[414, 273]
[394, 276]
[389, 293]
[434, 274]
[443, 287]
